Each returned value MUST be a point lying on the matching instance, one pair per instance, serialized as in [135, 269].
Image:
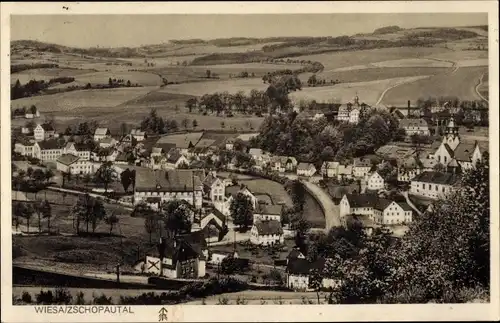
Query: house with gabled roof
[47, 150]
[375, 182]
[138, 134]
[361, 167]
[330, 169]
[415, 126]
[72, 164]
[265, 212]
[214, 188]
[299, 272]
[81, 150]
[266, 233]
[175, 160]
[283, 163]
[101, 133]
[44, 131]
[24, 147]
[306, 169]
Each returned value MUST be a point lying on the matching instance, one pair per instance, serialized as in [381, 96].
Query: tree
[439, 167]
[191, 103]
[28, 213]
[110, 82]
[242, 211]
[97, 213]
[111, 220]
[195, 123]
[222, 124]
[208, 73]
[151, 224]
[128, 83]
[105, 174]
[185, 123]
[38, 210]
[176, 215]
[315, 280]
[126, 179]
[46, 210]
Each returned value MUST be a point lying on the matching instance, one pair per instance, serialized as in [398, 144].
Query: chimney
[408, 108]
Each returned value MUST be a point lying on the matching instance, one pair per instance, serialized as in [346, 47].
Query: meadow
[46, 74]
[231, 86]
[368, 92]
[461, 84]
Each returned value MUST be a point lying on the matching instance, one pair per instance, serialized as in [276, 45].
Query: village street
[331, 210]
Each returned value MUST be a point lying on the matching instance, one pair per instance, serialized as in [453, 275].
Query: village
[215, 223]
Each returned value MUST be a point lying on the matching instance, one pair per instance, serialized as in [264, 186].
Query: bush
[45, 298]
[63, 296]
[26, 297]
[102, 300]
[80, 299]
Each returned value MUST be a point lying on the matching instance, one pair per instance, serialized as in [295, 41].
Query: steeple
[451, 136]
[356, 99]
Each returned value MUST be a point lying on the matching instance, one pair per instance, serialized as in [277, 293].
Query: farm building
[266, 233]
[433, 185]
[101, 133]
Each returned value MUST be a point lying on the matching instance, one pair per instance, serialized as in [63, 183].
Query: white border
[228, 313]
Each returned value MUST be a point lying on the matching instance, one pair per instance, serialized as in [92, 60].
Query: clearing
[461, 84]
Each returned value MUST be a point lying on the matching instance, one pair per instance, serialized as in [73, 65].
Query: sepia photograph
[247, 159]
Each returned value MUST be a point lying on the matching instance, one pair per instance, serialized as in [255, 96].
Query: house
[306, 169]
[69, 163]
[372, 210]
[213, 224]
[409, 168]
[365, 222]
[330, 169]
[299, 272]
[176, 258]
[415, 126]
[214, 188]
[283, 164]
[79, 149]
[344, 172]
[175, 160]
[26, 131]
[266, 233]
[44, 132]
[375, 182]
[107, 142]
[156, 152]
[361, 167]
[24, 148]
[351, 112]
[138, 134]
[47, 150]
[467, 155]
[230, 144]
[217, 257]
[433, 185]
[168, 185]
[101, 133]
[233, 191]
[265, 212]
[261, 159]
[32, 113]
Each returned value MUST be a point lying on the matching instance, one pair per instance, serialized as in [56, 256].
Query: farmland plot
[46, 74]
[231, 86]
[461, 84]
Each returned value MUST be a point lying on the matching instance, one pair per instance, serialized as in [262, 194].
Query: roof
[174, 158]
[330, 165]
[179, 250]
[47, 127]
[269, 209]
[449, 150]
[204, 143]
[107, 140]
[300, 266]
[235, 189]
[271, 227]
[345, 170]
[405, 206]
[362, 200]
[362, 162]
[50, 144]
[437, 178]
[255, 152]
[464, 152]
[137, 132]
[156, 150]
[67, 159]
[217, 213]
[101, 131]
[305, 166]
[209, 180]
[178, 180]
[295, 254]
[283, 159]
[419, 123]
[364, 220]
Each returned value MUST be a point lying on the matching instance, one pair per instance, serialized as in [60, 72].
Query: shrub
[26, 297]
[102, 300]
[63, 296]
[80, 299]
[45, 297]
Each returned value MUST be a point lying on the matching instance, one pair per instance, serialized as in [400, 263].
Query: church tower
[451, 136]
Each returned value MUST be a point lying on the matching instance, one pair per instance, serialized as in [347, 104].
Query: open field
[265, 186]
[459, 55]
[368, 92]
[67, 101]
[46, 74]
[461, 84]
[142, 78]
[398, 63]
[375, 73]
[335, 60]
[231, 86]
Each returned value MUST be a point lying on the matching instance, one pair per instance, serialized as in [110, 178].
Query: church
[454, 154]
[351, 113]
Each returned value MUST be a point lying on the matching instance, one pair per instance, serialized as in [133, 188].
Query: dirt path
[396, 85]
[478, 86]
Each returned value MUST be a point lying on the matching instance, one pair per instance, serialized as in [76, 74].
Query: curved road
[332, 215]
[478, 86]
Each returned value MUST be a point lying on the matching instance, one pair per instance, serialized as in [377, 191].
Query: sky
[137, 30]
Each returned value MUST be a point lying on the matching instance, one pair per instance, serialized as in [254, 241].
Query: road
[332, 216]
[478, 86]
[410, 203]
[53, 188]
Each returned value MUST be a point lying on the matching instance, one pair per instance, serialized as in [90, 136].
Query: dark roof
[166, 147]
[153, 199]
[209, 180]
[362, 162]
[197, 164]
[300, 266]
[67, 159]
[269, 227]
[47, 127]
[362, 200]
[404, 123]
[304, 166]
[449, 150]
[217, 213]
[121, 157]
[268, 209]
[173, 158]
[464, 152]
[179, 180]
[82, 146]
[437, 178]
[50, 144]
[294, 254]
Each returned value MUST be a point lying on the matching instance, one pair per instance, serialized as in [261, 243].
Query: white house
[415, 126]
[283, 164]
[69, 163]
[361, 167]
[306, 169]
[300, 270]
[47, 150]
[32, 113]
[214, 188]
[230, 144]
[233, 191]
[138, 134]
[433, 185]
[217, 257]
[24, 148]
[330, 169]
[81, 150]
[351, 112]
[107, 142]
[169, 185]
[265, 212]
[261, 159]
[375, 182]
[390, 212]
[44, 132]
[344, 171]
[175, 160]
[101, 133]
[266, 233]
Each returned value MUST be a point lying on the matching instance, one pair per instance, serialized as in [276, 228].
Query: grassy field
[142, 78]
[46, 74]
[343, 59]
[273, 189]
[399, 63]
[67, 101]
[231, 86]
[375, 73]
[461, 84]
[368, 92]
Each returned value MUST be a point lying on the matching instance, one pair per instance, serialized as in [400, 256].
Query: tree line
[34, 87]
